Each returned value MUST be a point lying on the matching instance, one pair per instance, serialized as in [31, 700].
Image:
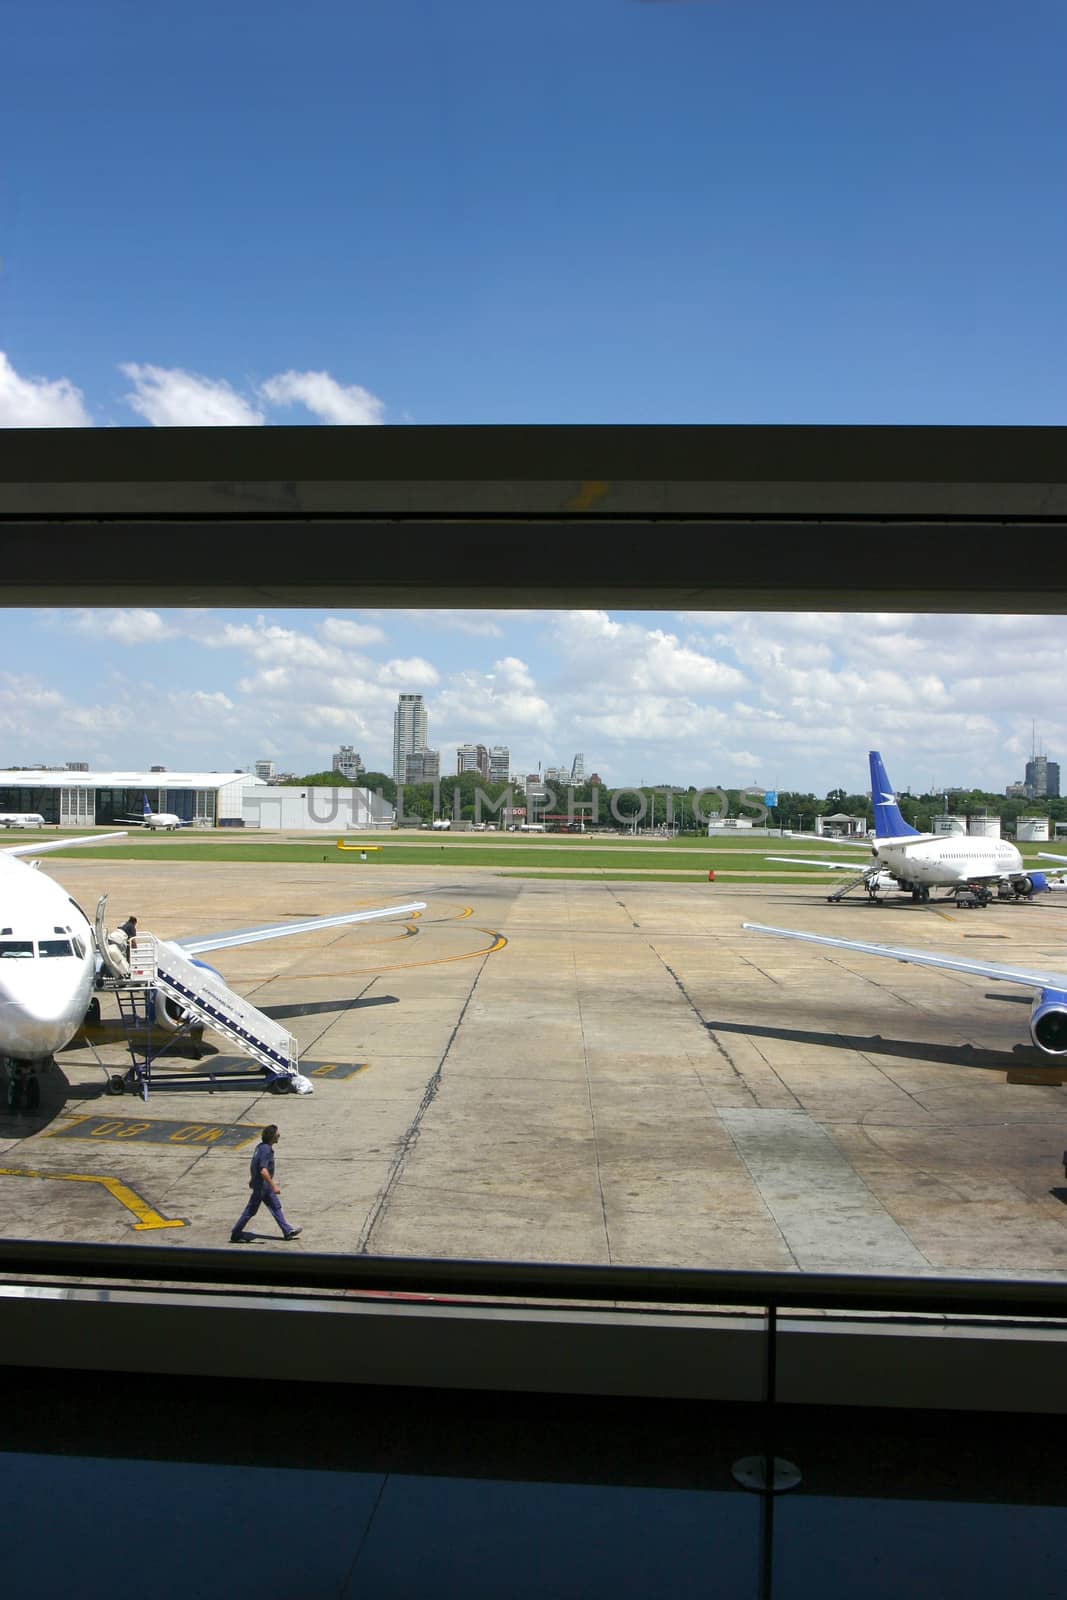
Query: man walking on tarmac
[264, 1190]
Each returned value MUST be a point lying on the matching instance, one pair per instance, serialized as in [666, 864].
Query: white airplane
[1048, 1015]
[903, 858]
[165, 820]
[21, 819]
[49, 961]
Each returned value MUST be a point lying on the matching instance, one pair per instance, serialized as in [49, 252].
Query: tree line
[686, 808]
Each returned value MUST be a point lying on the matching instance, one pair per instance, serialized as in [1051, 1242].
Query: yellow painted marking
[364, 849]
[400, 966]
[328, 1068]
[588, 495]
[944, 914]
[147, 1219]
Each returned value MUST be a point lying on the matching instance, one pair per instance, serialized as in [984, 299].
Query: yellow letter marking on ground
[146, 1217]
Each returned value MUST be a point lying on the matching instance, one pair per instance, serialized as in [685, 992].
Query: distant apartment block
[1042, 779]
[410, 729]
[578, 769]
[472, 758]
[422, 767]
[347, 762]
[499, 763]
[266, 770]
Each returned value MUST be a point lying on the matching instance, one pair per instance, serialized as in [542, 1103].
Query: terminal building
[99, 799]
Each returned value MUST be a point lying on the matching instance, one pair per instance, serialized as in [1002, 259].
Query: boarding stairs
[848, 886]
[157, 967]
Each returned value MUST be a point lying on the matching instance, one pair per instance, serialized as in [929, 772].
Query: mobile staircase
[203, 1000]
[848, 886]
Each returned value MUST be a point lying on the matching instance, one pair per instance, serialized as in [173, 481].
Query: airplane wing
[999, 971]
[200, 943]
[853, 844]
[834, 866]
[61, 844]
[1045, 856]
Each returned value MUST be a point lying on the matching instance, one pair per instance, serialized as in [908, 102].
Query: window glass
[55, 947]
[16, 949]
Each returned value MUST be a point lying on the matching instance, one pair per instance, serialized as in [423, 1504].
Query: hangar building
[97, 799]
[293, 807]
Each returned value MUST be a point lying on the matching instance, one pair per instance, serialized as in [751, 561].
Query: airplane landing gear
[23, 1091]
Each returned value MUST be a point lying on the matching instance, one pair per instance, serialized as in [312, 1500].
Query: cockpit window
[55, 947]
[16, 949]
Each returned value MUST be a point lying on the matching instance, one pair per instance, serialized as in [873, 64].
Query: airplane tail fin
[147, 810]
[888, 822]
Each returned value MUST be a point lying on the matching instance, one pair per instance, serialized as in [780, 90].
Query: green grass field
[604, 857]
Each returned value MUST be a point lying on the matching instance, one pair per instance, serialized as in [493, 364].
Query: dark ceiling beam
[951, 519]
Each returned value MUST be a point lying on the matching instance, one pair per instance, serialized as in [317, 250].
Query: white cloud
[127, 627]
[410, 675]
[324, 397]
[342, 631]
[39, 402]
[169, 397]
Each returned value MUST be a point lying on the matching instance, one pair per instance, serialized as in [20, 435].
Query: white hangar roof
[35, 778]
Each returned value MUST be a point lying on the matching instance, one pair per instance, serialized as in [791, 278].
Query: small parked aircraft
[965, 865]
[167, 821]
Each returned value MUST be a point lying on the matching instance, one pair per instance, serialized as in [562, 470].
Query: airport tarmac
[576, 1071]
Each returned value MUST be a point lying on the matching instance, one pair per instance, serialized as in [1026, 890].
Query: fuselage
[47, 963]
[162, 819]
[953, 859]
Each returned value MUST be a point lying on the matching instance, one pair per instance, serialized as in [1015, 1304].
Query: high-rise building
[77, 766]
[499, 763]
[410, 725]
[347, 762]
[557, 775]
[266, 771]
[422, 767]
[1042, 778]
[472, 758]
[578, 769]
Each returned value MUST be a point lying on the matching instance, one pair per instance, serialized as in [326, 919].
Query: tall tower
[1036, 779]
[578, 769]
[499, 763]
[409, 732]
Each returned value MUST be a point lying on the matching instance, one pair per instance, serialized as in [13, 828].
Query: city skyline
[784, 700]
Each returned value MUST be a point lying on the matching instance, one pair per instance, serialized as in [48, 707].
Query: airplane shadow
[56, 1090]
[964, 1055]
[902, 906]
[314, 1008]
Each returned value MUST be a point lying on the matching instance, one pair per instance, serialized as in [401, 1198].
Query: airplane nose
[27, 1035]
[37, 1017]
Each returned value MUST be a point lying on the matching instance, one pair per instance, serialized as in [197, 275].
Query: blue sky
[543, 210]
[456, 211]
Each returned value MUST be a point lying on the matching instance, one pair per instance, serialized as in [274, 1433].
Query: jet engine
[1048, 1022]
[171, 1014]
[1033, 883]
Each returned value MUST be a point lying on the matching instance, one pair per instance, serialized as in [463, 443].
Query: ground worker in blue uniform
[264, 1190]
